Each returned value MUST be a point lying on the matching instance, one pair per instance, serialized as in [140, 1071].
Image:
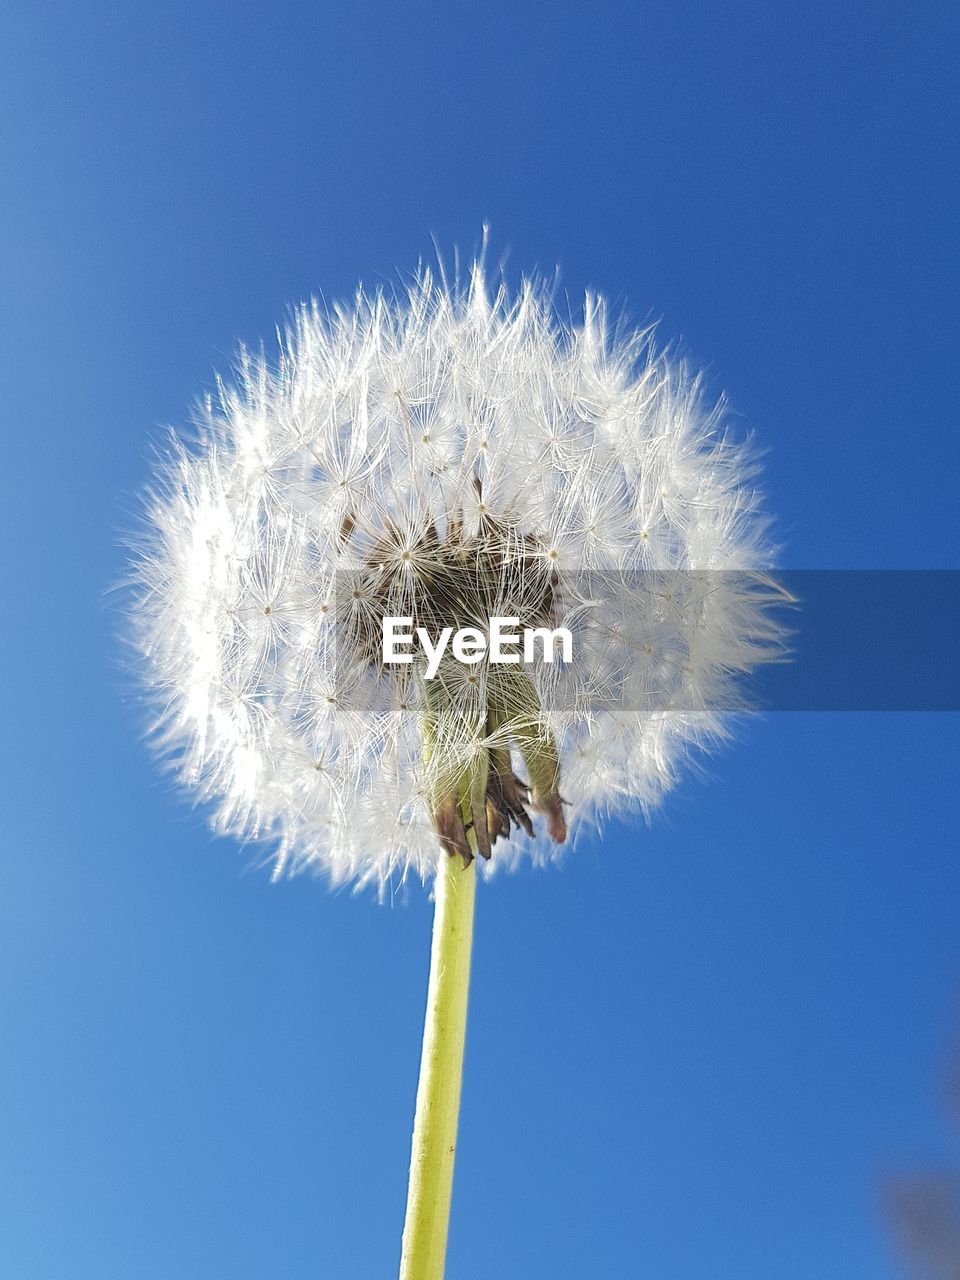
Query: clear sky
[695, 1050]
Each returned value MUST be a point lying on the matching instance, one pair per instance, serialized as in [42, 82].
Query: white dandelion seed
[444, 455]
[458, 464]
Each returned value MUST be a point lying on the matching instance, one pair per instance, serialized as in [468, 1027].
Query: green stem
[441, 1070]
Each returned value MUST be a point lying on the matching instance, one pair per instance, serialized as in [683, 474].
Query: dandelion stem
[441, 1070]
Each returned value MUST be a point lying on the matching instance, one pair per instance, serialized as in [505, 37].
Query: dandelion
[448, 456]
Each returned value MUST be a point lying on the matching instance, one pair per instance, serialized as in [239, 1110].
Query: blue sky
[695, 1050]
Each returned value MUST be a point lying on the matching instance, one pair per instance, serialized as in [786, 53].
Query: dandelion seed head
[448, 453]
